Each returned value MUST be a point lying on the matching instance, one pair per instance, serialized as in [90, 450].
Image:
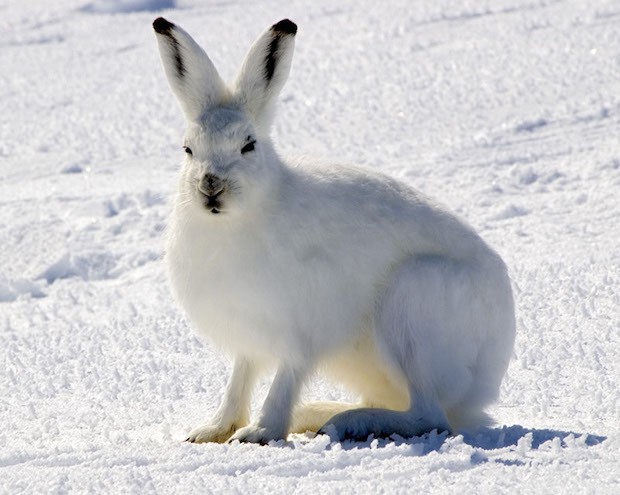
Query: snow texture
[508, 111]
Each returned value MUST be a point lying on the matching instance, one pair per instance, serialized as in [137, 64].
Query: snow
[507, 111]
[125, 6]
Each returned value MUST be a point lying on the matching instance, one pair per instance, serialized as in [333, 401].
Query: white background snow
[507, 111]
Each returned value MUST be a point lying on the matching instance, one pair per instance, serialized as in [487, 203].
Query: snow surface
[508, 111]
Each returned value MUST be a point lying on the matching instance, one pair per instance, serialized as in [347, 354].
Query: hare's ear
[191, 74]
[265, 71]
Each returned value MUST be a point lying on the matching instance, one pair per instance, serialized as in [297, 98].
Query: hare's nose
[211, 185]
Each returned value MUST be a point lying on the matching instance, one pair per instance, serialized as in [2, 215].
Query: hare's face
[225, 160]
[230, 164]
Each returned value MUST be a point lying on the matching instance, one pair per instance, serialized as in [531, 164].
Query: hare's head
[230, 164]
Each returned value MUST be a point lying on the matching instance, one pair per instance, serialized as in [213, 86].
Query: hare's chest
[269, 297]
[229, 294]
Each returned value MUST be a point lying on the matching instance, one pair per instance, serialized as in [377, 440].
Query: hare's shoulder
[338, 184]
[322, 172]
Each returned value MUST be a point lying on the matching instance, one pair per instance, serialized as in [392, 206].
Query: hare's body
[302, 265]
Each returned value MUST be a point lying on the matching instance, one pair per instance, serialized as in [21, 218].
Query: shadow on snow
[485, 439]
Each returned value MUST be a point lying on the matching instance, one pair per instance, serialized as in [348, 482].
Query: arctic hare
[305, 265]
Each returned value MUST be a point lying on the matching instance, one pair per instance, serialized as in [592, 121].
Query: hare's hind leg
[424, 415]
[430, 326]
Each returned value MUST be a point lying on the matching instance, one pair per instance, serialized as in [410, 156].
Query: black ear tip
[285, 26]
[162, 26]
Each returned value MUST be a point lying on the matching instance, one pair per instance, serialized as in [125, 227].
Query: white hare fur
[306, 265]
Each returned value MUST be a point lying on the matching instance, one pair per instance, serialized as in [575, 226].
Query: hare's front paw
[211, 432]
[256, 434]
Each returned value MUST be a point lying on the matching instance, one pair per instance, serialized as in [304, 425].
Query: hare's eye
[187, 150]
[248, 147]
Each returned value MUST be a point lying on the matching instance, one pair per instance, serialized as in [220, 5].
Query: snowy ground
[507, 111]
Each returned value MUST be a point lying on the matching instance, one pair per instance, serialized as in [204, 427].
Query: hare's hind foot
[359, 424]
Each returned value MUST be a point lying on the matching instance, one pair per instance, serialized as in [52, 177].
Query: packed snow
[507, 111]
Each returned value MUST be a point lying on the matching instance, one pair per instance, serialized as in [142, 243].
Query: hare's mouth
[212, 202]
